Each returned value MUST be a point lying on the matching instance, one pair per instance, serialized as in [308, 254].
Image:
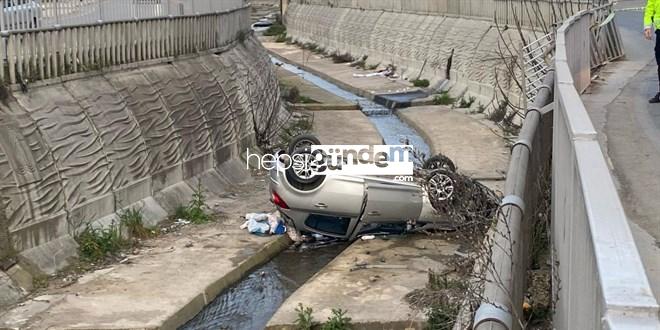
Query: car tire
[439, 162]
[298, 180]
[302, 141]
[441, 188]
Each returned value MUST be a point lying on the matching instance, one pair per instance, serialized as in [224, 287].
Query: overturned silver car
[343, 206]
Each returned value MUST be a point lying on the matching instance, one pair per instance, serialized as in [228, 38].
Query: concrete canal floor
[370, 280]
[167, 282]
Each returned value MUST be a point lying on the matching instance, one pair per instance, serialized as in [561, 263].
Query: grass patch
[466, 103]
[341, 58]
[443, 99]
[275, 30]
[281, 38]
[132, 220]
[95, 244]
[195, 211]
[292, 95]
[306, 100]
[40, 282]
[498, 114]
[421, 83]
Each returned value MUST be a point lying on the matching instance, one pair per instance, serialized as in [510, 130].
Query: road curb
[193, 307]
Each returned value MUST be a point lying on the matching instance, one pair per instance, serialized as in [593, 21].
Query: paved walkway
[629, 132]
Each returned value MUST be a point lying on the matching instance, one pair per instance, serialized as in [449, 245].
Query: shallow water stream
[389, 125]
[252, 302]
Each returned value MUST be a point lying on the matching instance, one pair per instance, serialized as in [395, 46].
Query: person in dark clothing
[652, 25]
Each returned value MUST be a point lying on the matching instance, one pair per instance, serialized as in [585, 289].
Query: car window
[328, 224]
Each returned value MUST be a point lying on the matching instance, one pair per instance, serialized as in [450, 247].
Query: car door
[391, 201]
[338, 195]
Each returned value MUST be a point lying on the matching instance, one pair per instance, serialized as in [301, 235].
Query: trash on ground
[368, 237]
[264, 224]
[361, 266]
[387, 72]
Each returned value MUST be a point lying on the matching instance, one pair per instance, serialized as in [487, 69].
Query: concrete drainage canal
[253, 301]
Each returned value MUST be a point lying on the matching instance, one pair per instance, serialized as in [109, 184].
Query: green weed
[94, 244]
[305, 320]
[341, 58]
[132, 220]
[281, 38]
[194, 212]
[466, 103]
[338, 321]
[443, 99]
[498, 114]
[275, 30]
[421, 83]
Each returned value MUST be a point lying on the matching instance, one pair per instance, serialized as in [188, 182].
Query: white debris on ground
[264, 224]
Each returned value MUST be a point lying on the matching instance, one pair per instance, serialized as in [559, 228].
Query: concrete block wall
[419, 45]
[74, 153]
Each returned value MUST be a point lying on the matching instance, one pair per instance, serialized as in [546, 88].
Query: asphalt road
[629, 132]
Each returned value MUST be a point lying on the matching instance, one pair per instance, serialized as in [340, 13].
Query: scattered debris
[264, 224]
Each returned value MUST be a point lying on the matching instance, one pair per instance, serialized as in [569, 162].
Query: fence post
[57, 12]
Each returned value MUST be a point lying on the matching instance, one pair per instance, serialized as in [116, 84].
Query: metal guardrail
[39, 14]
[35, 55]
[601, 279]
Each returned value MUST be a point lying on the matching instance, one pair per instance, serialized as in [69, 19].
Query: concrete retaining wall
[76, 152]
[419, 45]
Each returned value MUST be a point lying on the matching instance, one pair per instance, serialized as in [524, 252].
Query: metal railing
[37, 14]
[601, 280]
[34, 55]
[526, 12]
[536, 58]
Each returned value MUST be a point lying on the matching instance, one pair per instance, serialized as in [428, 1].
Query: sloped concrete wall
[76, 152]
[419, 45]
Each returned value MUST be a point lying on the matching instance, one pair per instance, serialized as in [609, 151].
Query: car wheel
[439, 162]
[441, 188]
[302, 172]
[301, 142]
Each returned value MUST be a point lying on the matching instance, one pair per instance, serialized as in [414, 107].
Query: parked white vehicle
[20, 14]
